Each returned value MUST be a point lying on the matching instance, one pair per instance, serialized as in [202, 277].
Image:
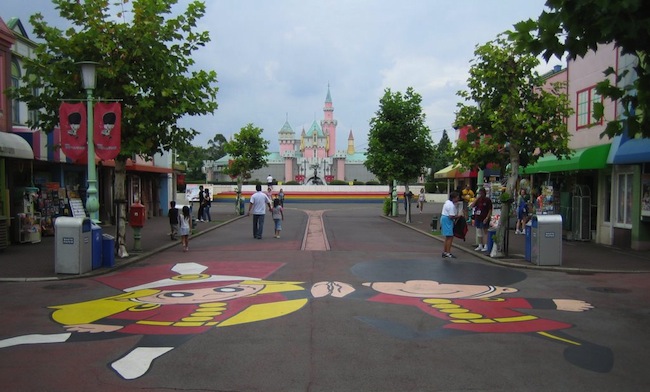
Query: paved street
[379, 311]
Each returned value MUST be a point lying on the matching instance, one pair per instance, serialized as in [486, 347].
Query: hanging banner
[72, 118]
[107, 133]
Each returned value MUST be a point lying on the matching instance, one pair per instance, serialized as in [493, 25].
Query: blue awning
[632, 151]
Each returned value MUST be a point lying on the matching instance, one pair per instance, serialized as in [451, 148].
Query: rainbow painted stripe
[314, 197]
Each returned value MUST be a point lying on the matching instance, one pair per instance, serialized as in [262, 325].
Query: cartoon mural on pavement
[469, 298]
[168, 304]
[184, 300]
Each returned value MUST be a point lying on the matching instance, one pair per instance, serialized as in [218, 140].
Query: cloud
[277, 58]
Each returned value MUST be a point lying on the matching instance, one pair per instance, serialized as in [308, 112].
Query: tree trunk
[511, 186]
[407, 200]
[120, 195]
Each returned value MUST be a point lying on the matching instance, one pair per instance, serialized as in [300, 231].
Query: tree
[144, 61]
[510, 117]
[247, 150]
[442, 155]
[216, 147]
[399, 142]
[575, 27]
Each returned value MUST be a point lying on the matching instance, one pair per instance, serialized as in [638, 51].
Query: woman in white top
[421, 200]
[447, 220]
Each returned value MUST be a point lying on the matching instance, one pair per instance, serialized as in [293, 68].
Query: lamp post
[89, 77]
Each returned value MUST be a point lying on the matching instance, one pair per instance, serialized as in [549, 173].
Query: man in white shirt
[259, 202]
[269, 181]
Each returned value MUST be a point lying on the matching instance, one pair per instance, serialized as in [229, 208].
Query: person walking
[172, 214]
[199, 215]
[281, 197]
[185, 227]
[207, 203]
[482, 215]
[259, 202]
[421, 200]
[408, 195]
[269, 181]
[278, 216]
[522, 212]
[448, 217]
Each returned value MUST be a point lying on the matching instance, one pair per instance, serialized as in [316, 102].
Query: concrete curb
[517, 265]
[119, 264]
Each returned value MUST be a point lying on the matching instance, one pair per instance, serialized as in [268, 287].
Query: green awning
[588, 158]
[448, 172]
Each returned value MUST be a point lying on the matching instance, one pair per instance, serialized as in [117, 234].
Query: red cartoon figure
[190, 298]
[470, 298]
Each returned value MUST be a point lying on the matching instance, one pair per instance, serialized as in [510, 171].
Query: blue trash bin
[529, 242]
[96, 241]
[242, 201]
[490, 240]
[108, 250]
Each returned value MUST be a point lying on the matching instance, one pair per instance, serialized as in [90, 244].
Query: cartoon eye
[227, 289]
[178, 294]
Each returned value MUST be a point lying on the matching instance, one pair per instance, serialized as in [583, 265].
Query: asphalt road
[284, 319]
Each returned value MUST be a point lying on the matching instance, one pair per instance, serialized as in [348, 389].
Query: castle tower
[328, 124]
[350, 144]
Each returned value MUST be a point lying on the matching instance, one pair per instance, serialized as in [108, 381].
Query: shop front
[571, 188]
[15, 153]
[630, 189]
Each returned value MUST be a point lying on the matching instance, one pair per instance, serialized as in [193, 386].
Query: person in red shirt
[482, 215]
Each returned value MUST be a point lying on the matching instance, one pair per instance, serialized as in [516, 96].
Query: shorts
[480, 224]
[522, 214]
[447, 226]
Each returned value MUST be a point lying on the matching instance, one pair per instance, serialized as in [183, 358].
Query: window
[15, 83]
[624, 200]
[585, 107]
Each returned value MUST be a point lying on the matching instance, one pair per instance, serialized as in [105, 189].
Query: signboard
[192, 192]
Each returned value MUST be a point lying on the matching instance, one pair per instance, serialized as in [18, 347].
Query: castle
[310, 159]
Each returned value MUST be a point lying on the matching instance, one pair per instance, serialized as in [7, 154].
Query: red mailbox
[136, 215]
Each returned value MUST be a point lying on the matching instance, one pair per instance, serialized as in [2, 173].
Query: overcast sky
[275, 59]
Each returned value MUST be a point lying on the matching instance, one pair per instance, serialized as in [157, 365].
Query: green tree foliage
[511, 118]
[216, 147]
[442, 155]
[145, 60]
[399, 142]
[575, 27]
[248, 151]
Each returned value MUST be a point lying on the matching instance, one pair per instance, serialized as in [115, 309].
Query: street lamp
[89, 78]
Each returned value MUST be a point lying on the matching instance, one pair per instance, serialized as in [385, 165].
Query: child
[421, 200]
[173, 220]
[186, 224]
[278, 216]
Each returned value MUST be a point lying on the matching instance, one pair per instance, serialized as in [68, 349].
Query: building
[44, 173]
[309, 158]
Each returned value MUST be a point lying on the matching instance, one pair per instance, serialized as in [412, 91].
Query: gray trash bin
[546, 239]
[72, 245]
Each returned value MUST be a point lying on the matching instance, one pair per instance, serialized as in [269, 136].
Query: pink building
[308, 158]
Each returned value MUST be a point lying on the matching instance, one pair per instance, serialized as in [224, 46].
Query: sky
[275, 59]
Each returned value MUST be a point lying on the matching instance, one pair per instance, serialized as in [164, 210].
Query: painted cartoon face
[433, 289]
[197, 296]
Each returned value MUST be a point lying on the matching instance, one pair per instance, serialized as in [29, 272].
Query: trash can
[528, 242]
[490, 240]
[546, 239]
[434, 222]
[108, 250]
[72, 245]
[96, 246]
[242, 201]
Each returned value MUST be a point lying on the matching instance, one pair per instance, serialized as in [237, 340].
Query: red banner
[72, 118]
[107, 133]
